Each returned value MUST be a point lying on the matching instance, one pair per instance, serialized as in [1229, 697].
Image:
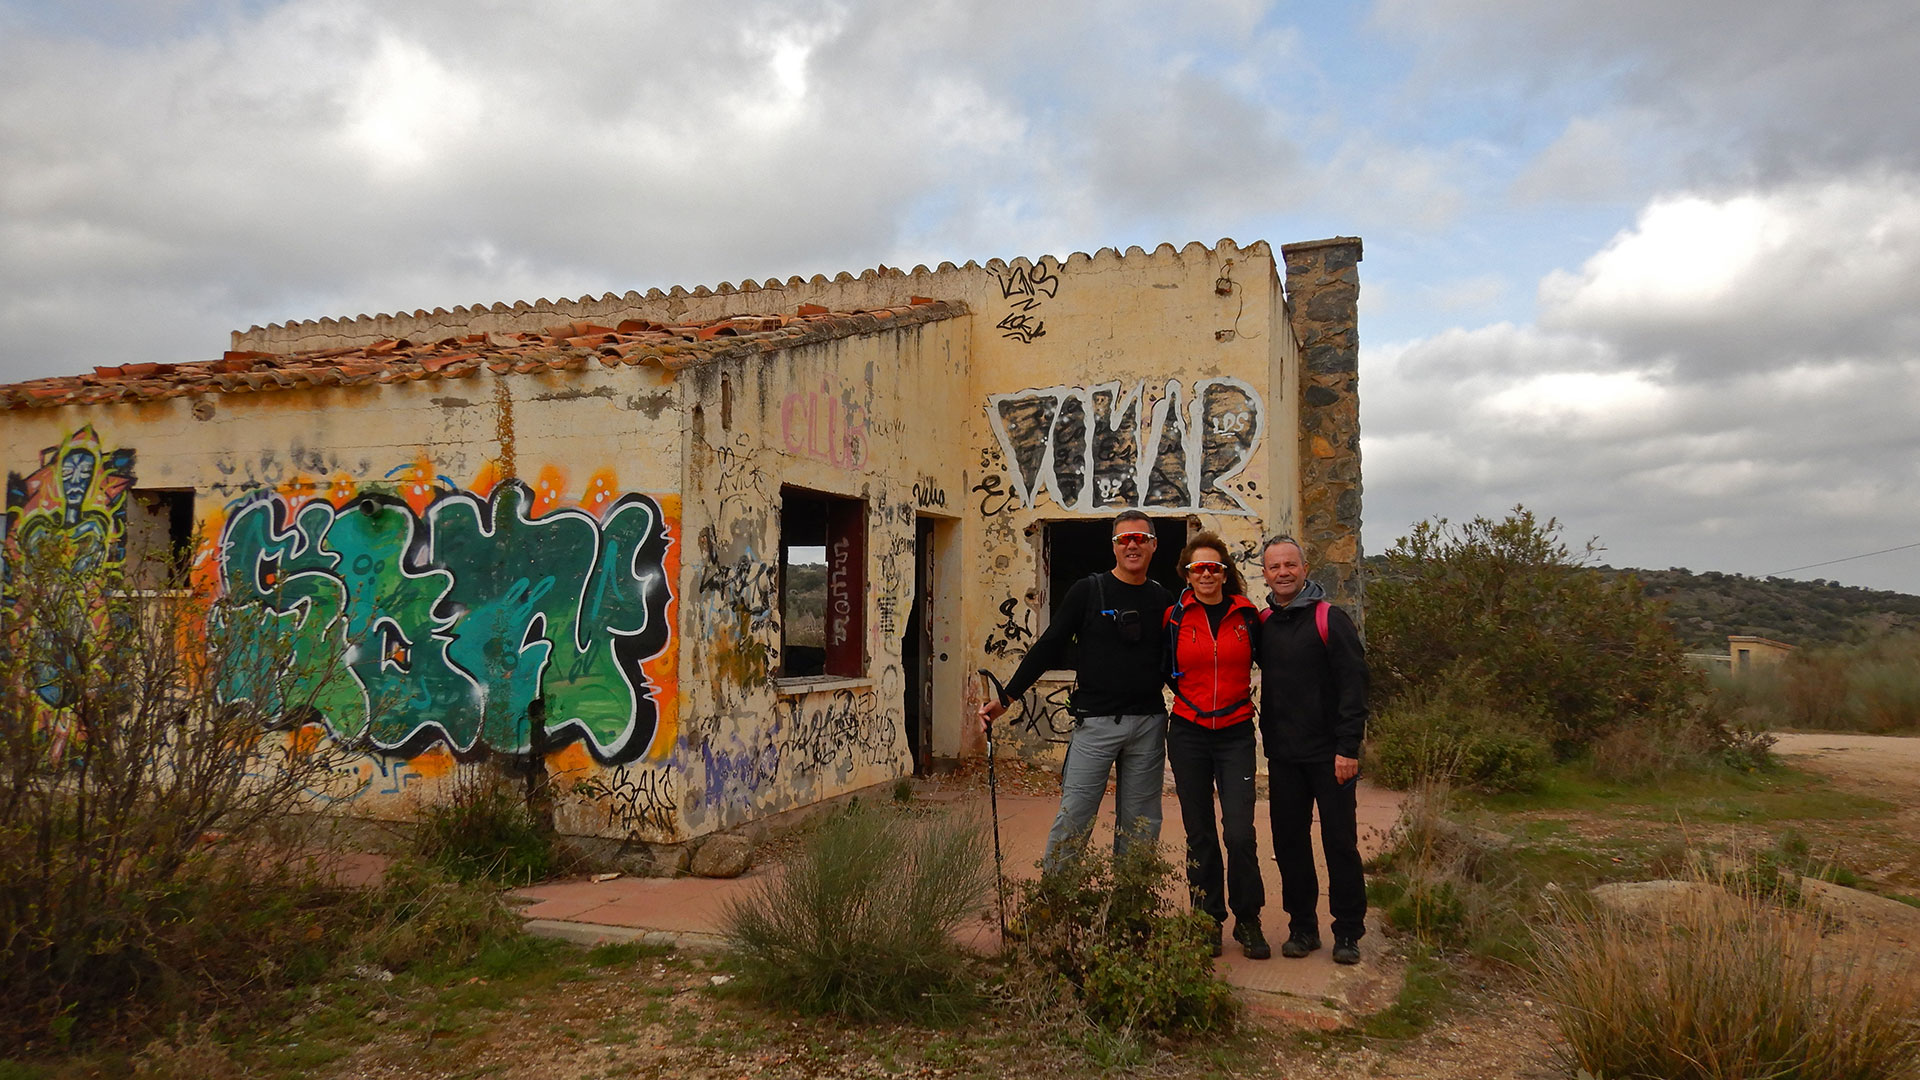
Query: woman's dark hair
[1209, 539]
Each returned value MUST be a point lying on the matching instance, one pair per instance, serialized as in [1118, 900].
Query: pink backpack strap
[1320, 610]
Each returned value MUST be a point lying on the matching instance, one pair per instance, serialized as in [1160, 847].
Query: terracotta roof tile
[567, 347]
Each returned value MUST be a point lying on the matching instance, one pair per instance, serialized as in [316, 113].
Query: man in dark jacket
[1120, 713]
[1313, 714]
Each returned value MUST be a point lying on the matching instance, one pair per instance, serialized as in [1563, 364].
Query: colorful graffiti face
[1094, 450]
[472, 623]
[79, 489]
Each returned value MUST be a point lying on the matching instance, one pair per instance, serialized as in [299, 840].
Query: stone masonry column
[1323, 294]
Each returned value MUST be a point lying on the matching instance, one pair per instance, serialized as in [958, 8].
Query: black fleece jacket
[1117, 677]
[1313, 696]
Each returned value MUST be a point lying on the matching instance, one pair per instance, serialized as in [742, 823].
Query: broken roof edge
[565, 347]
[312, 333]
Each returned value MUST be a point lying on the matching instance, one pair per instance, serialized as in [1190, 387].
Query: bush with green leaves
[1510, 608]
[1103, 929]
[1441, 738]
[1872, 687]
[862, 920]
[144, 814]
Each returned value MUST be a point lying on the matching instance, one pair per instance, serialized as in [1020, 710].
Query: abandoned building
[722, 553]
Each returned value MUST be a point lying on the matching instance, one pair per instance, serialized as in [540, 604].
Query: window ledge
[798, 685]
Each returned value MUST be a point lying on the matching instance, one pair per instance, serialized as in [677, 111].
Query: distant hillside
[1707, 606]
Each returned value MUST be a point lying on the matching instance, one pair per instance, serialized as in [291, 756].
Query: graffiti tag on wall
[1092, 449]
[467, 623]
[1025, 290]
[825, 426]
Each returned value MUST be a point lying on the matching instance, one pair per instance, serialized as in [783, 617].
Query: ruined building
[717, 553]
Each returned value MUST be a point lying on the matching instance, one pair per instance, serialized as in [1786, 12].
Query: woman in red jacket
[1213, 637]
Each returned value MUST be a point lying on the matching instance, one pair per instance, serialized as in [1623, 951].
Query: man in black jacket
[1120, 723]
[1313, 714]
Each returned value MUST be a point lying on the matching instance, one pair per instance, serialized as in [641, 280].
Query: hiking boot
[1253, 943]
[1346, 950]
[1299, 945]
[1219, 936]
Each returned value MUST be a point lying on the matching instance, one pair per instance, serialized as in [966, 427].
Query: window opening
[823, 594]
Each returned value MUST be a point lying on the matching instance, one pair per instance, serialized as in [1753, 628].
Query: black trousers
[1205, 761]
[1297, 787]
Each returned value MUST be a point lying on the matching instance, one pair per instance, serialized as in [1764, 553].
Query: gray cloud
[1712, 91]
[1760, 421]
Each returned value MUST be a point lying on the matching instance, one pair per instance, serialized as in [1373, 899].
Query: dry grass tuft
[1729, 986]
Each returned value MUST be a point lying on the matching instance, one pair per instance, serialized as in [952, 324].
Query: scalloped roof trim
[1225, 247]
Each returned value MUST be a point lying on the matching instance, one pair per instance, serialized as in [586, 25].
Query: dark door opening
[916, 652]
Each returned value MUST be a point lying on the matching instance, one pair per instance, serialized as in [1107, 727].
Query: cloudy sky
[1652, 268]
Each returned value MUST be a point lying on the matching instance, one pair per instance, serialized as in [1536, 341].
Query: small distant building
[1745, 652]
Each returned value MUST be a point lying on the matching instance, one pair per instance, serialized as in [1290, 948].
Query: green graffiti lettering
[464, 625]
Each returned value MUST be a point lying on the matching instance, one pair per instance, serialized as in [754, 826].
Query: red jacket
[1213, 676]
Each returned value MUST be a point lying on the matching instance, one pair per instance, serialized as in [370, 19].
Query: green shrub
[1508, 607]
[484, 830]
[1422, 739]
[1733, 987]
[1445, 883]
[861, 922]
[147, 834]
[1103, 930]
[1872, 687]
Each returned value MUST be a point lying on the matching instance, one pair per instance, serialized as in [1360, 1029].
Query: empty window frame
[823, 584]
[159, 538]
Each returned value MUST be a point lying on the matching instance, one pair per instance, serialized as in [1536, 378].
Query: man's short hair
[1283, 539]
[1130, 515]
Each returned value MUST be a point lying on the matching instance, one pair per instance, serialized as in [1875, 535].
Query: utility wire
[1849, 558]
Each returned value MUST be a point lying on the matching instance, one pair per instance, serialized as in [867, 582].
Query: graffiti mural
[78, 493]
[502, 621]
[80, 489]
[1094, 449]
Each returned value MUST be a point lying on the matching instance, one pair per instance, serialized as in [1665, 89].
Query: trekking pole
[993, 803]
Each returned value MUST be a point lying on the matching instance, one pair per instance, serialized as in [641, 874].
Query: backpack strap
[1320, 609]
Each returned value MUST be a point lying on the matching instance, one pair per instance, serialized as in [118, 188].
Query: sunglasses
[1206, 568]
[1131, 539]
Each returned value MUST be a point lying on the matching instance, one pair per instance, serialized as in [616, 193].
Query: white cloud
[1765, 278]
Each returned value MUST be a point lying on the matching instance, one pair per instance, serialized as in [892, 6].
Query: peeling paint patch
[650, 404]
[575, 394]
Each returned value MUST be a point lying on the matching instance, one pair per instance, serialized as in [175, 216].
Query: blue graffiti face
[467, 624]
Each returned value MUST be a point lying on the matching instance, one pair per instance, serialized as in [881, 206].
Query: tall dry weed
[1724, 985]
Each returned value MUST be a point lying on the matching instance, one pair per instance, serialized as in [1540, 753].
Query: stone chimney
[1323, 295]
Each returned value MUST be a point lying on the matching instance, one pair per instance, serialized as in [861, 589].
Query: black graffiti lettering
[1174, 452]
[640, 802]
[843, 732]
[1022, 328]
[993, 500]
[927, 494]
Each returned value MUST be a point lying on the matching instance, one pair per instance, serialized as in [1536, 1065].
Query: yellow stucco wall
[1067, 390]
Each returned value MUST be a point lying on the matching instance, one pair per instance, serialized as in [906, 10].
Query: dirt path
[1889, 763]
[1883, 767]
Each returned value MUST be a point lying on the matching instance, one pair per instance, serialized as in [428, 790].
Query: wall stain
[651, 404]
[574, 394]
